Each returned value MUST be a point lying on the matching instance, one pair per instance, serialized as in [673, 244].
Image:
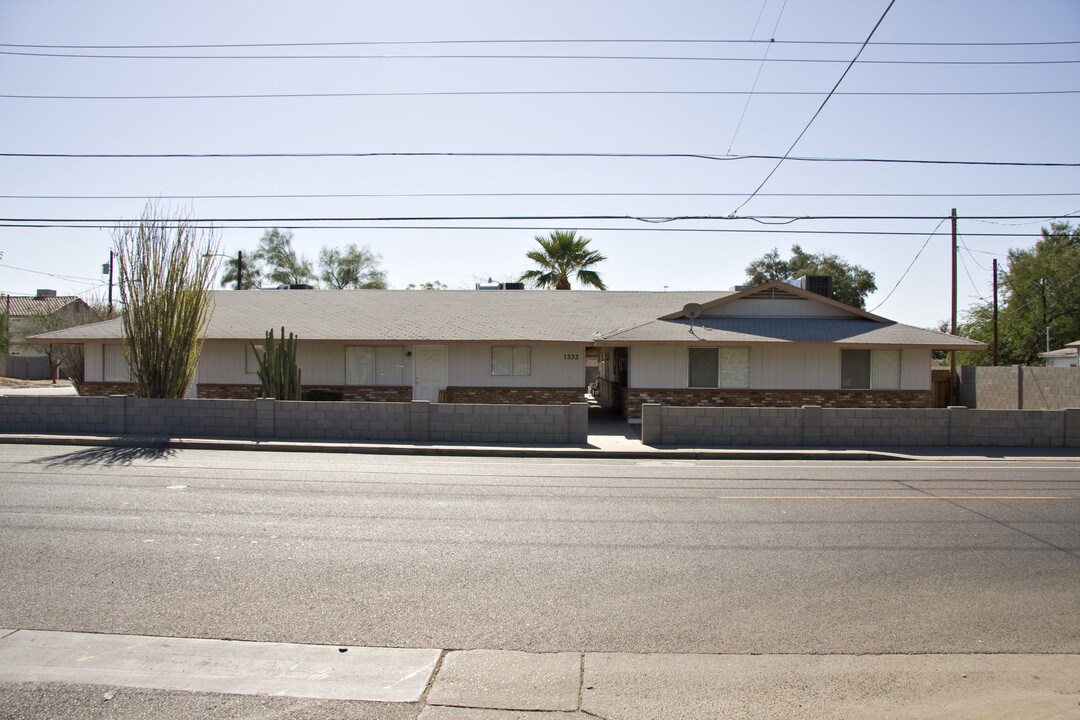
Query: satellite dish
[692, 310]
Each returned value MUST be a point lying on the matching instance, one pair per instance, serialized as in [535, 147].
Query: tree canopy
[251, 277]
[851, 283]
[563, 254]
[353, 267]
[1039, 290]
[283, 265]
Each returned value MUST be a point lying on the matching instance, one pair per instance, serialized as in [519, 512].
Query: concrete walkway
[480, 684]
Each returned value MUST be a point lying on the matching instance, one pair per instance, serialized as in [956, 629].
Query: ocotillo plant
[278, 371]
[166, 269]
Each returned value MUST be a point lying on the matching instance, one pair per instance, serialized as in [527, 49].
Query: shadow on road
[107, 456]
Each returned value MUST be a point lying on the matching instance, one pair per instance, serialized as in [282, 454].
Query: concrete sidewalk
[436, 684]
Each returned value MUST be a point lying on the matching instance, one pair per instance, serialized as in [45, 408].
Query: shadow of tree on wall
[120, 455]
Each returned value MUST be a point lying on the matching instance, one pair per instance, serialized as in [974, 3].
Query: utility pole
[239, 269]
[109, 269]
[995, 313]
[952, 326]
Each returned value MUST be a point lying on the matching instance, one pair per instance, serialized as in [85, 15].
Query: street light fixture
[239, 266]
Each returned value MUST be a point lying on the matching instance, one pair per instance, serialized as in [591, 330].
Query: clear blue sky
[687, 255]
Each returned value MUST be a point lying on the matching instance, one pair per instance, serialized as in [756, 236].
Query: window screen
[870, 369]
[719, 367]
[382, 365]
[704, 367]
[114, 366]
[511, 360]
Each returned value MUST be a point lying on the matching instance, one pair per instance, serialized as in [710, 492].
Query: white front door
[429, 372]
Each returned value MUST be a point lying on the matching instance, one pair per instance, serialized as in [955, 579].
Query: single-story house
[1068, 356]
[771, 345]
[39, 313]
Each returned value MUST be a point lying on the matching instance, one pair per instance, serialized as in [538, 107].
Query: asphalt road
[543, 555]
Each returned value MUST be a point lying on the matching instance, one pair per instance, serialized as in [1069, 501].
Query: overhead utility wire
[502, 228]
[818, 111]
[490, 56]
[757, 76]
[910, 265]
[333, 196]
[765, 219]
[605, 155]
[549, 93]
[549, 41]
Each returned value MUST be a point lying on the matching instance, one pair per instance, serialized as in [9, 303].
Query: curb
[246, 445]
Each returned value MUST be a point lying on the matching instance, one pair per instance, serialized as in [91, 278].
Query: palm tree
[563, 253]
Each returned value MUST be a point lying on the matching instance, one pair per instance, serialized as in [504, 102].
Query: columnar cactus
[278, 371]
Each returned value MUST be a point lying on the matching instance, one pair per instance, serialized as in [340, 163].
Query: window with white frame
[251, 360]
[870, 369]
[511, 360]
[113, 365]
[719, 368]
[374, 365]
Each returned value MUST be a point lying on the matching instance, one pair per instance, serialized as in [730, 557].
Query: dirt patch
[6, 382]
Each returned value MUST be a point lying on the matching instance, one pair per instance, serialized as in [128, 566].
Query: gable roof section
[777, 289]
[38, 306]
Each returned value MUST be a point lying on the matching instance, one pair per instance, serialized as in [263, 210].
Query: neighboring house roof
[1073, 344]
[1065, 352]
[611, 317]
[37, 306]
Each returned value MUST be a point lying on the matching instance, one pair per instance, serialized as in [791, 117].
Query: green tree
[283, 265]
[5, 322]
[251, 277]
[166, 272]
[851, 283]
[1040, 291]
[563, 254]
[436, 285]
[353, 267]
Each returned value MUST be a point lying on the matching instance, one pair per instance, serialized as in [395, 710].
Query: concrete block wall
[1018, 387]
[416, 421]
[520, 424]
[334, 420]
[858, 427]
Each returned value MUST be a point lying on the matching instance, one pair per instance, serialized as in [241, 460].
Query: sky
[992, 81]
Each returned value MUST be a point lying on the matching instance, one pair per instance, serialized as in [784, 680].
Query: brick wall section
[1018, 387]
[514, 396]
[635, 397]
[104, 389]
[358, 393]
[858, 427]
[325, 420]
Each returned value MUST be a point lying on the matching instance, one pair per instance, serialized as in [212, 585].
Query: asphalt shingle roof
[35, 306]
[513, 315]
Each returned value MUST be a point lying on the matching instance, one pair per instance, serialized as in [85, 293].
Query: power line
[542, 155]
[530, 228]
[69, 278]
[331, 196]
[910, 265]
[548, 93]
[548, 41]
[764, 219]
[519, 56]
[757, 75]
[820, 108]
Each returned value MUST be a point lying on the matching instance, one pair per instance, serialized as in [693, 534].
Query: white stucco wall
[553, 365]
[783, 367]
[469, 364]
